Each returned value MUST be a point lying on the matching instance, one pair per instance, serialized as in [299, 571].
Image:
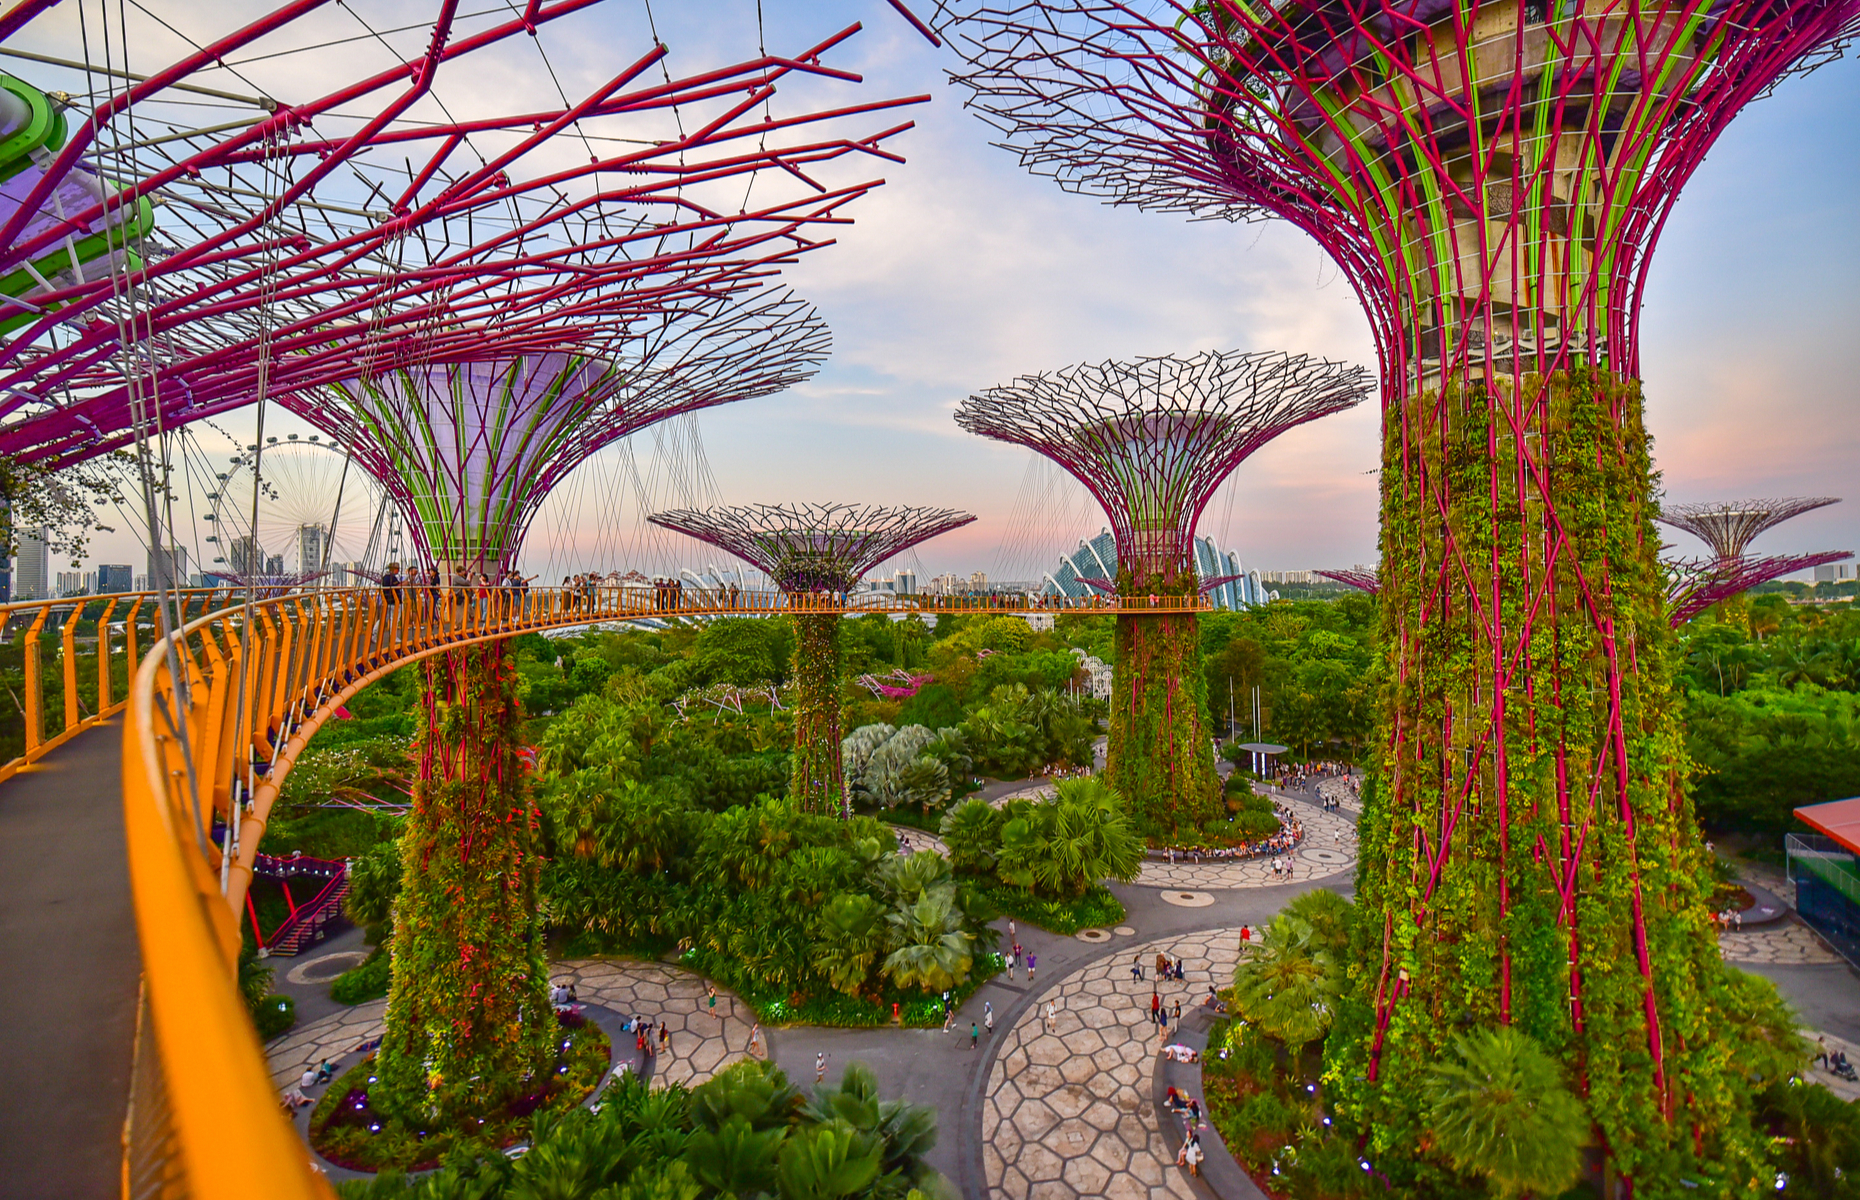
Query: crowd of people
[1279, 845]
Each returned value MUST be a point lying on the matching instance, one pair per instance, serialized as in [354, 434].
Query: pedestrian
[975, 1035]
[665, 1037]
[896, 1017]
[1136, 969]
[820, 1066]
[1194, 1110]
[711, 998]
[1191, 1154]
[1013, 957]
[1246, 935]
[755, 1031]
[1049, 1016]
[1162, 1022]
[1030, 968]
[988, 1015]
[1013, 933]
[949, 1014]
[1178, 1010]
[1155, 1003]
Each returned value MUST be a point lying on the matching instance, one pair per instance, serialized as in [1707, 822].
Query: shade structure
[1151, 439]
[1729, 526]
[305, 234]
[814, 548]
[470, 448]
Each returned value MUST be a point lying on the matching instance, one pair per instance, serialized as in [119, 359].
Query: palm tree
[1289, 985]
[848, 938]
[906, 1131]
[1062, 847]
[931, 949]
[1499, 1109]
[972, 833]
[824, 1162]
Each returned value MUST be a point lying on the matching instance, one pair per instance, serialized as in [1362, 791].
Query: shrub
[274, 1015]
[366, 981]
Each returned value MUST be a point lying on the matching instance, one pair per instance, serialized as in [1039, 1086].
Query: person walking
[755, 1031]
[988, 1015]
[665, 1038]
[1030, 968]
[949, 1014]
[1136, 969]
[1013, 957]
[820, 1067]
[975, 1035]
[1013, 933]
[1162, 1023]
[1050, 1016]
[1178, 1010]
[1191, 1154]
[1155, 1004]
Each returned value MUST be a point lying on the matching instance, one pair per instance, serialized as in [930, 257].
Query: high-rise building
[243, 556]
[904, 583]
[169, 569]
[274, 564]
[33, 579]
[115, 577]
[70, 583]
[309, 548]
[978, 582]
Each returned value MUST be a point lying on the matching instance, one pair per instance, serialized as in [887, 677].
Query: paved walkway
[1329, 846]
[702, 1043]
[70, 972]
[1787, 944]
[1068, 1109]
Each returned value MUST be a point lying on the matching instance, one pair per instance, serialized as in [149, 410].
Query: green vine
[1522, 602]
[1159, 752]
[814, 780]
[469, 1023]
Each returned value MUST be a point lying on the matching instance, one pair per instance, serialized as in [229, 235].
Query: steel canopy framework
[1728, 527]
[1492, 178]
[369, 226]
[1151, 439]
[469, 449]
[808, 550]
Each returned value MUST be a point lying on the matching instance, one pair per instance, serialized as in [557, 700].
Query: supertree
[1151, 439]
[1728, 527]
[814, 553]
[1491, 178]
[231, 245]
[1361, 580]
[469, 449]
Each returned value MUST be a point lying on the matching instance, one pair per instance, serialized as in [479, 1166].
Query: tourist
[665, 1038]
[988, 1015]
[1191, 1154]
[975, 1035]
[1155, 1005]
[710, 990]
[325, 1072]
[1194, 1110]
[1178, 1010]
[295, 1099]
[309, 1079]
[1050, 1016]
[1177, 1052]
[1136, 969]
[1162, 1023]
[1013, 933]
[1030, 968]
[755, 1031]
[820, 1066]
[1173, 1101]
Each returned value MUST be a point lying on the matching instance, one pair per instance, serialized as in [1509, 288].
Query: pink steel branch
[1478, 254]
[483, 241]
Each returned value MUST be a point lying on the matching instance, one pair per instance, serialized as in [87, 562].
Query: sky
[964, 271]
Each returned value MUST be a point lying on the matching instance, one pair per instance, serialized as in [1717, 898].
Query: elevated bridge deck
[119, 913]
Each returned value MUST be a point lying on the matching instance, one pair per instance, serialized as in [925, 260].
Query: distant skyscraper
[113, 578]
[309, 547]
[33, 579]
[904, 583]
[70, 583]
[243, 556]
[978, 582]
[274, 564]
[171, 569]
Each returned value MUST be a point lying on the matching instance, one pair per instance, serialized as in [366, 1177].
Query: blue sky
[964, 271]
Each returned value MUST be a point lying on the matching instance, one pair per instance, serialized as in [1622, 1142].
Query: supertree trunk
[814, 774]
[1531, 857]
[1159, 755]
[468, 1018]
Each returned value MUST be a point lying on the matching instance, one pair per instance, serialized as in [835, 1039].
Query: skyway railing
[218, 714]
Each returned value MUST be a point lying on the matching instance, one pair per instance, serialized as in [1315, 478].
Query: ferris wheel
[320, 517]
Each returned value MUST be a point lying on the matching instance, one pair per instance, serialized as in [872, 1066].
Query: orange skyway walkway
[213, 719]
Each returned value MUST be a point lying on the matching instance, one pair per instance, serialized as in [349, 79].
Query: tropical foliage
[884, 767]
[1498, 1108]
[1055, 848]
[746, 1133]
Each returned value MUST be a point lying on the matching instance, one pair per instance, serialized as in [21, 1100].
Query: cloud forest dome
[335, 183]
[470, 448]
[1152, 438]
[807, 548]
[1490, 177]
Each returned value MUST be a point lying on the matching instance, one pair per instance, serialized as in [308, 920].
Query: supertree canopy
[814, 550]
[237, 238]
[1492, 179]
[471, 448]
[1361, 580]
[1728, 527]
[1151, 439]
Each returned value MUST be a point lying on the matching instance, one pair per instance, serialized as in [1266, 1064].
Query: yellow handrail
[222, 708]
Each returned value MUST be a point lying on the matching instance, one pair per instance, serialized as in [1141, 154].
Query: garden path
[701, 1044]
[1789, 943]
[1069, 1112]
[912, 840]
